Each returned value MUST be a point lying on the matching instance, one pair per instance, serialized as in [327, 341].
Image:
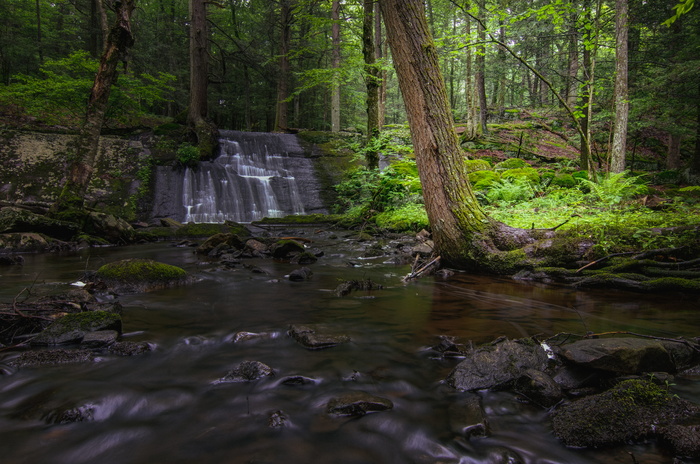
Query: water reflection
[165, 407]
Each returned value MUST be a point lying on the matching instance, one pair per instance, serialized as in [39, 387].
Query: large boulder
[140, 275]
[13, 220]
[72, 328]
[620, 355]
[633, 410]
[497, 364]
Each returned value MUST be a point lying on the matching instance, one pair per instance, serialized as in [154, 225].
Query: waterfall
[250, 179]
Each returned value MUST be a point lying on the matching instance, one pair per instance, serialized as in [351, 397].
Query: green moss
[511, 163]
[302, 219]
[635, 393]
[140, 270]
[482, 180]
[473, 165]
[526, 173]
[411, 217]
[88, 321]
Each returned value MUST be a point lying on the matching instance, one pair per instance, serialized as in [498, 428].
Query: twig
[413, 275]
[604, 258]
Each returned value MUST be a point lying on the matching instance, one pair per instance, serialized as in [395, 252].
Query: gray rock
[683, 440]
[52, 357]
[619, 355]
[247, 371]
[631, 411]
[14, 220]
[467, 418]
[497, 364]
[300, 275]
[357, 403]
[285, 249]
[277, 419]
[72, 328]
[128, 348]
[539, 388]
[100, 338]
[308, 338]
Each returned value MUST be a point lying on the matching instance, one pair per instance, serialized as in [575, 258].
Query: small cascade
[246, 182]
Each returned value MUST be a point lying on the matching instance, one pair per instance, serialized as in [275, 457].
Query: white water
[246, 182]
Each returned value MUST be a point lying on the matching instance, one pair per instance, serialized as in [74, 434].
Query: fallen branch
[419, 272]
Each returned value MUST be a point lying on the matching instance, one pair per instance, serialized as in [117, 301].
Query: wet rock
[277, 419]
[683, 440]
[72, 328]
[247, 371]
[100, 338]
[29, 242]
[307, 337]
[11, 260]
[13, 220]
[631, 411]
[256, 269]
[424, 249]
[169, 222]
[108, 227]
[84, 413]
[620, 355]
[297, 381]
[218, 244]
[285, 249]
[576, 377]
[449, 348]
[538, 388]
[300, 275]
[140, 275]
[304, 258]
[350, 286]
[256, 246]
[52, 357]
[242, 336]
[128, 348]
[468, 419]
[357, 403]
[497, 364]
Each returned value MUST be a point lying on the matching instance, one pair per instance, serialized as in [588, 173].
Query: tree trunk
[335, 63]
[673, 159]
[453, 211]
[282, 110]
[695, 164]
[480, 79]
[379, 57]
[86, 146]
[573, 64]
[619, 143]
[371, 81]
[471, 131]
[204, 131]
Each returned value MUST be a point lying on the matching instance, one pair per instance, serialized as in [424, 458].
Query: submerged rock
[140, 275]
[497, 364]
[52, 357]
[300, 275]
[468, 419]
[128, 348]
[349, 286]
[631, 411]
[308, 338]
[619, 355]
[357, 403]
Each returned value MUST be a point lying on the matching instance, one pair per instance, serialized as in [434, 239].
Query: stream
[167, 407]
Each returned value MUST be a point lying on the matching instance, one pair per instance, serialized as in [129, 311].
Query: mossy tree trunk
[85, 148]
[372, 80]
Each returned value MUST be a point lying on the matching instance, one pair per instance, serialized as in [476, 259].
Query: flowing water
[166, 407]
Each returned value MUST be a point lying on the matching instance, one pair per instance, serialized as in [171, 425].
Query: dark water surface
[165, 407]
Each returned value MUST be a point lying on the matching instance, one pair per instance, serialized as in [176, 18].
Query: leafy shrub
[477, 165]
[511, 163]
[482, 180]
[527, 173]
[611, 189]
[511, 190]
[187, 155]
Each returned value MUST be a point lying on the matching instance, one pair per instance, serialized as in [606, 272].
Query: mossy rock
[140, 275]
[20, 220]
[511, 163]
[482, 180]
[73, 327]
[477, 165]
[564, 181]
[526, 173]
[301, 219]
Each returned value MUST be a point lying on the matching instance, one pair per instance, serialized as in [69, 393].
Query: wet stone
[538, 388]
[277, 419]
[357, 403]
[309, 338]
[130, 348]
[683, 440]
[100, 338]
[300, 275]
[468, 419]
[620, 355]
[247, 371]
[52, 357]
[297, 380]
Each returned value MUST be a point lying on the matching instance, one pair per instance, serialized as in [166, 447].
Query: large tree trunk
[619, 143]
[379, 56]
[86, 146]
[372, 79]
[335, 64]
[281, 113]
[204, 131]
[453, 210]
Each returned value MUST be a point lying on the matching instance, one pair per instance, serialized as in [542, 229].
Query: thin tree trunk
[472, 125]
[86, 146]
[282, 110]
[695, 165]
[335, 63]
[39, 44]
[453, 211]
[480, 80]
[371, 81]
[573, 65]
[619, 143]
[673, 159]
[379, 57]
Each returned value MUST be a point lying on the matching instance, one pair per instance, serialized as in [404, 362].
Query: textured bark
[335, 63]
[472, 126]
[480, 78]
[673, 159]
[379, 56]
[281, 114]
[199, 63]
[372, 79]
[573, 64]
[619, 143]
[453, 211]
[87, 142]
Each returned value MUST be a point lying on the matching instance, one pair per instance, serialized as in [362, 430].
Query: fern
[611, 189]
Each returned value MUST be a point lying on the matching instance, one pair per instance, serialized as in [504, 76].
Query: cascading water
[255, 175]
